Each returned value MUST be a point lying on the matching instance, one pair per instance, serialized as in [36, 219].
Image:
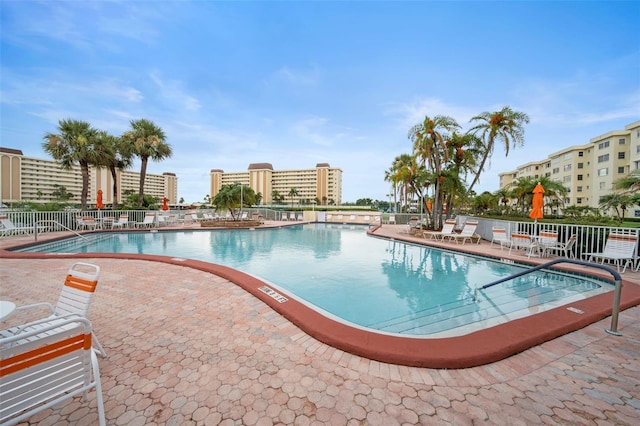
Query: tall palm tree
[74, 144]
[430, 148]
[293, 192]
[506, 126]
[117, 156]
[147, 141]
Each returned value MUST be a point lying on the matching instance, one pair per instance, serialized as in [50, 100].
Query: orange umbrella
[99, 203]
[164, 204]
[429, 205]
[537, 202]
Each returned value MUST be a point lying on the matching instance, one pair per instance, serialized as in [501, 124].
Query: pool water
[385, 285]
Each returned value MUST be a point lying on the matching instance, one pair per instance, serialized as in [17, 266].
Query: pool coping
[476, 348]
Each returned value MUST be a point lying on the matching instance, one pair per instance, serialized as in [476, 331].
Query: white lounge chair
[45, 366]
[566, 249]
[7, 227]
[148, 222]
[546, 239]
[447, 229]
[122, 222]
[619, 249]
[499, 236]
[468, 233]
[392, 219]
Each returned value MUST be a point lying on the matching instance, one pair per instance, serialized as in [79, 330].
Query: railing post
[615, 311]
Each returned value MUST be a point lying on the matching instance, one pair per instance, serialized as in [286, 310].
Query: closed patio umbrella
[537, 203]
[99, 203]
[165, 207]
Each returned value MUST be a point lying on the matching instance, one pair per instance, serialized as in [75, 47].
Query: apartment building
[322, 182]
[588, 171]
[34, 180]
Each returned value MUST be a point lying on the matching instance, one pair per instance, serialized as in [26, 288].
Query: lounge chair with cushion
[148, 222]
[47, 365]
[122, 222]
[619, 249]
[547, 239]
[75, 298]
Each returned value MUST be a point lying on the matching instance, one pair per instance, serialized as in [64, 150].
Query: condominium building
[323, 183]
[588, 171]
[35, 180]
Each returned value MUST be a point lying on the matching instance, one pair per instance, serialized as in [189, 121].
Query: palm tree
[505, 125]
[293, 192]
[615, 201]
[74, 143]
[430, 149]
[146, 140]
[117, 155]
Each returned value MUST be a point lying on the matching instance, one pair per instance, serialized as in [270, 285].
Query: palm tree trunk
[115, 186]
[84, 168]
[143, 175]
[485, 156]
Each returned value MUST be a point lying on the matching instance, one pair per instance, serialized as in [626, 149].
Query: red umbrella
[99, 203]
[164, 204]
[537, 202]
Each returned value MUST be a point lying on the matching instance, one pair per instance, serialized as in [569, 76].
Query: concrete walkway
[187, 347]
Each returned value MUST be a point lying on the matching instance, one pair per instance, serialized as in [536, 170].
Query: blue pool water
[386, 285]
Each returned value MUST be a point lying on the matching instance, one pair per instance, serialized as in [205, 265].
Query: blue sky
[298, 83]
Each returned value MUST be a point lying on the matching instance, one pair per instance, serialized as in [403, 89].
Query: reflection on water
[383, 284]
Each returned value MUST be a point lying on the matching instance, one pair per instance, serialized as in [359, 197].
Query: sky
[296, 83]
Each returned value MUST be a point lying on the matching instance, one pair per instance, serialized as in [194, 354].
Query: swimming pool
[385, 285]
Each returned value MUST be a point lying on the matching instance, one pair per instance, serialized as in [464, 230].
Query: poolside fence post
[615, 311]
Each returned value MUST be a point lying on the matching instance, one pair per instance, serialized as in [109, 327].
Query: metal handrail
[615, 310]
[35, 228]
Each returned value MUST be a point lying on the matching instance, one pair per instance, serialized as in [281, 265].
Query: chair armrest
[35, 305]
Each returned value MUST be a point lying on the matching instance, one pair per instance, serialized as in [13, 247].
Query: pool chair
[447, 229]
[468, 233]
[566, 249]
[546, 239]
[7, 227]
[122, 222]
[392, 219]
[43, 367]
[620, 249]
[499, 236]
[523, 242]
[148, 222]
[75, 298]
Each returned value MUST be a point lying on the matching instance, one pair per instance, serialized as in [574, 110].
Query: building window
[580, 153]
[567, 167]
[636, 213]
[567, 156]
[566, 179]
[601, 185]
[621, 155]
[603, 145]
[556, 170]
[581, 165]
[603, 172]
[621, 141]
[579, 189]
[621, 170]
[579, 177]
[603, 158]
[579, 200]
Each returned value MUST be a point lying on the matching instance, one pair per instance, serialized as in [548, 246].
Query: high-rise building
[323, 183]
[588, 171]
[35, 180]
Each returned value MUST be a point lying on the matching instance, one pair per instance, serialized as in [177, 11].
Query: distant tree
[293, 192]
[364, 202]
[116, 155]
[616, 201]
[181, 200]
[74, 144]
[230, 197]
[147, 141]
[60, 193]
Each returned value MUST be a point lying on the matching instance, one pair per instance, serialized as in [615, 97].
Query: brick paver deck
[187, 347]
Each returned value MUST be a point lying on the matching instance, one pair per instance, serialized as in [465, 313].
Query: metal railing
[41, 222]
[615, 310]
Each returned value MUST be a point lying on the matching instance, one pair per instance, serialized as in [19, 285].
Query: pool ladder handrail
[36, 223]
[615, 310]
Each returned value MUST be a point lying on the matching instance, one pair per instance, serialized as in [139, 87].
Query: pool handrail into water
[615, 310]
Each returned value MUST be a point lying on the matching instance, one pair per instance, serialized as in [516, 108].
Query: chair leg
[97, 346]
